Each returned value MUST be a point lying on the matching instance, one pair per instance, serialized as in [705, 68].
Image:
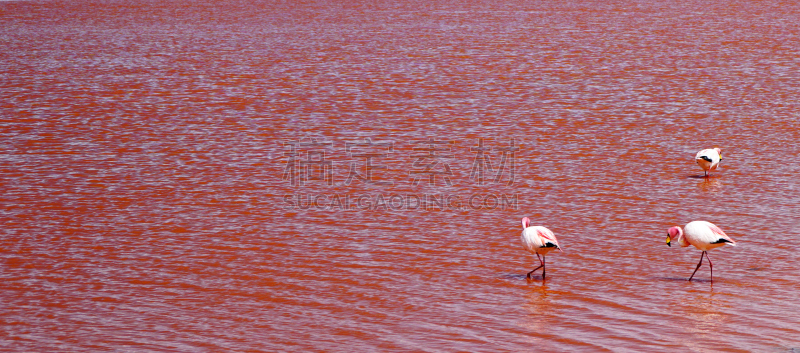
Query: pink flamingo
[538, 240]
[708, 159]
[704, 236]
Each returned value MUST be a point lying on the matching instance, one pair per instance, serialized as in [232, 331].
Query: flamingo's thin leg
[698, 265]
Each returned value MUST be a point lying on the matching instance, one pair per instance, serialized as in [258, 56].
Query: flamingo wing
[702, 233]
[721, 236]
[530, 239]
[548, 238]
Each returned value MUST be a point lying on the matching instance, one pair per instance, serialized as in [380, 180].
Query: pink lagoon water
[148, 151]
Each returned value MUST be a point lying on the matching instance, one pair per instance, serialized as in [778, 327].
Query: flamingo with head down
[704, 236]
[538, 240]
[708, 159]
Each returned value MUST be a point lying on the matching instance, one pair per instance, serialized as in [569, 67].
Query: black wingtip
[722, 240]
[706, 158]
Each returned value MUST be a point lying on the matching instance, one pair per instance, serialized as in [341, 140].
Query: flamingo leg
[712, 267]
[540, 266]
[698, 265]
[544, 268]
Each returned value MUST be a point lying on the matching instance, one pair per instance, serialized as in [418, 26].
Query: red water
[147, 194]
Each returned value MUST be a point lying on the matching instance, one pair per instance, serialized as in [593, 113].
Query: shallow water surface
[256, 176]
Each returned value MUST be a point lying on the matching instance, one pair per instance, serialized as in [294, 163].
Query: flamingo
[704, 236]
[538, 240]
[708, 159]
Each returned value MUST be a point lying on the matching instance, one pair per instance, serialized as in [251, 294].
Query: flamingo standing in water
[704, 236]
[538, 240]
[708, 159]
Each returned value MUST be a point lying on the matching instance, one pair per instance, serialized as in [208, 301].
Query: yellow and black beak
[668, 241]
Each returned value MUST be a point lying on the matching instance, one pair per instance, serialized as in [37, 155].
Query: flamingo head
[675, 233]
[525, 222]
[719, 152]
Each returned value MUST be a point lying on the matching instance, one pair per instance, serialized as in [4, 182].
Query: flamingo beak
[668, 241]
